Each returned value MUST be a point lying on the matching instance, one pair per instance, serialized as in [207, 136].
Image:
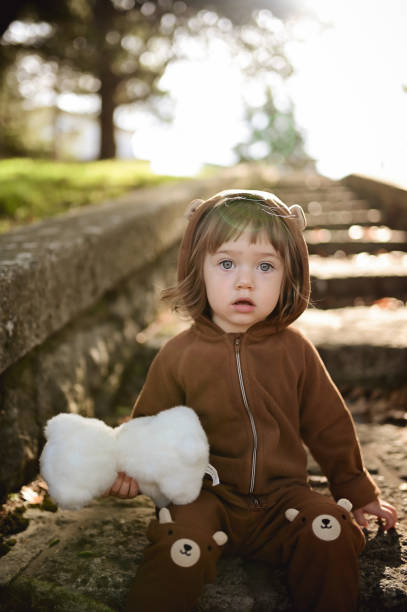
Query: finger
[133, 491]
[125, 486]
[116, 486]
[387, 516]
[360, 518]
[393, 513]
[108, 491]
[383, 517]
[390, 517]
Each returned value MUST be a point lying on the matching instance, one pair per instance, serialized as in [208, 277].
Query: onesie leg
[318, 543]
[180, 558]
[321, 553]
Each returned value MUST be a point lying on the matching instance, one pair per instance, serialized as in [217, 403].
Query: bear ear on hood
[192, 207]
[297, 212]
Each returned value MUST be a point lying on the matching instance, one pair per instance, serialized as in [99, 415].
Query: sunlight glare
[355, 232]
[208, 116]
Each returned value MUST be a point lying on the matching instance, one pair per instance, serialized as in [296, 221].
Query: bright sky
[347, 90]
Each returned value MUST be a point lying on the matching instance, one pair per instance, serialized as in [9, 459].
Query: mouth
[243, 305]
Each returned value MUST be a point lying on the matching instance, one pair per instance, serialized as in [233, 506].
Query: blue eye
[226, 264]
[265, 267]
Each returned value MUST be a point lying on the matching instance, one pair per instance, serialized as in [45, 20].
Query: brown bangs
[231, 218]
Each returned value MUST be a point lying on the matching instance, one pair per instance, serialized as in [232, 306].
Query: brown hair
[226, 221]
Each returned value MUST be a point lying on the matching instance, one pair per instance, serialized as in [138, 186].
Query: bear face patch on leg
[324, 526]
[185, 552]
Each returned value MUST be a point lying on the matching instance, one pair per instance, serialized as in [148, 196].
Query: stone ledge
[54, 270]
[364, 346]
[348, 327]
[78, 369]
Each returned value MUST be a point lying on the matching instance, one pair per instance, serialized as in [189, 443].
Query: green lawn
[33, 189]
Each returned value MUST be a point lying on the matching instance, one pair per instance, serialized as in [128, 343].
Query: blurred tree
[44, 10]
[273, 135]
[238, 11]
[120, 48]
[241, 11]
[103, 46]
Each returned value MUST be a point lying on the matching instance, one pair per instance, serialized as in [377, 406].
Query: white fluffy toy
[168, 455]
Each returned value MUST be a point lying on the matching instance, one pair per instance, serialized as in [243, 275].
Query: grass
[32, 189]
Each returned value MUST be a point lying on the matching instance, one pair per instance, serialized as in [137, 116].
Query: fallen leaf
[31, 496]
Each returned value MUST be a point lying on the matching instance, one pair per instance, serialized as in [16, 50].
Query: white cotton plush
[167, 454]
[79, 459]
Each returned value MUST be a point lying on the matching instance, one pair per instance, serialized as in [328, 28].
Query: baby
[261, 392]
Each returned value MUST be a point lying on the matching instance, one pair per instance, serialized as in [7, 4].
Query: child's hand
[379, 508]
[123, 487]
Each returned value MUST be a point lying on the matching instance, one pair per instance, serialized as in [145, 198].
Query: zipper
[249, 412]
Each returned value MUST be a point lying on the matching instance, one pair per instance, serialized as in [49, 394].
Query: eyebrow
[274, 254]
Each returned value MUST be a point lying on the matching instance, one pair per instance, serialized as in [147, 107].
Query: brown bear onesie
[259, 396]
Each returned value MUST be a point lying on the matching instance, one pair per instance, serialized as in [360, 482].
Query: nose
[326, 522]
[187, 548]
[244, 280]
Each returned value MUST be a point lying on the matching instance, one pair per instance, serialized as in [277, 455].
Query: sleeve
[327, 429]
[161, 389]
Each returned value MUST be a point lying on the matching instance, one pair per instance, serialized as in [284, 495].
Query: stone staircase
[85, 561]
[359, 286]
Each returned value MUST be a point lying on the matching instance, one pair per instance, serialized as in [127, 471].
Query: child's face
[243, 281]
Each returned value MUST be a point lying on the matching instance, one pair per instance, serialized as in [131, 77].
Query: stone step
[330, 193]
[324, 202]
[340, 281]
[363, 346]
[356, 239]
[319, 206]
[342, 219]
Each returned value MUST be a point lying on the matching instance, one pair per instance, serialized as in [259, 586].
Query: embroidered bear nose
[187, 548]
[326, 522]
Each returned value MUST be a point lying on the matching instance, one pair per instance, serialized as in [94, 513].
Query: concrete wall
[74, 293]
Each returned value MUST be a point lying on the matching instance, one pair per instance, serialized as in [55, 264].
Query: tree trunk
[106, 123]
[104, 14]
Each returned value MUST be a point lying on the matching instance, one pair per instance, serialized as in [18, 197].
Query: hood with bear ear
[294, 218]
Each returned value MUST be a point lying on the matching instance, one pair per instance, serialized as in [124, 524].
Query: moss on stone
[25, 594]
[13, 522]
[48, 505]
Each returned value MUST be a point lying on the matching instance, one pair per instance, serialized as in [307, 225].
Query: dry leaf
[31, 496]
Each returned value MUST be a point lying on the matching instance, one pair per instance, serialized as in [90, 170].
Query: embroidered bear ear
[192, 207]
[220, 538]
[291, 514]
[297, 211]
[345, 503]
[164, 516]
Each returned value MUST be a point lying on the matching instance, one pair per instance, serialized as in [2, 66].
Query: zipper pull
[237, 344]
